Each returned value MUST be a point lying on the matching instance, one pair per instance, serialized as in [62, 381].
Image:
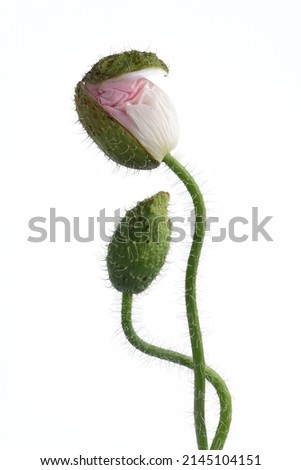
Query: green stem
[186, 361]
[147, 348]
[225, 417]
[190, 297]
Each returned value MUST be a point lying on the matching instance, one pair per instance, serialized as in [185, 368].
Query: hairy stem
[190, 298]
[186, 361]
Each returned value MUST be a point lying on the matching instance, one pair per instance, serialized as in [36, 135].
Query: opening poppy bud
[139, 246]
[130, 118]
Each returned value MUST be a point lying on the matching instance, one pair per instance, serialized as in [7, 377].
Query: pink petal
[116, 94]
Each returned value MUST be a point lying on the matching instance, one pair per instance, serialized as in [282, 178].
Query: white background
[68, 378]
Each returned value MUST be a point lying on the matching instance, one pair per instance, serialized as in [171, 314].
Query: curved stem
[190, 297]
[225, 417]
[186, 361]
[143, 346]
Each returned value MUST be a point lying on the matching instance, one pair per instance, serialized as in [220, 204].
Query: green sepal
[115, 65]
[139, 246]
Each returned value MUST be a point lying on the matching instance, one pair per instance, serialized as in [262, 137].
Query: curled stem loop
[172, 356]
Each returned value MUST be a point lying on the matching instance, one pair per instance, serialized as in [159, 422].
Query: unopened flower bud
[130, 118]
[139, 246]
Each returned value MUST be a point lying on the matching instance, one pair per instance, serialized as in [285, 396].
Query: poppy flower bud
[139, 246]
[130, 118]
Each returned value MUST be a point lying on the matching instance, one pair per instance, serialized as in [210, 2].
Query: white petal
[155, 122]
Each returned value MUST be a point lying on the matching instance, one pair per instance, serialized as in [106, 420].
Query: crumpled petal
[143, 109]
